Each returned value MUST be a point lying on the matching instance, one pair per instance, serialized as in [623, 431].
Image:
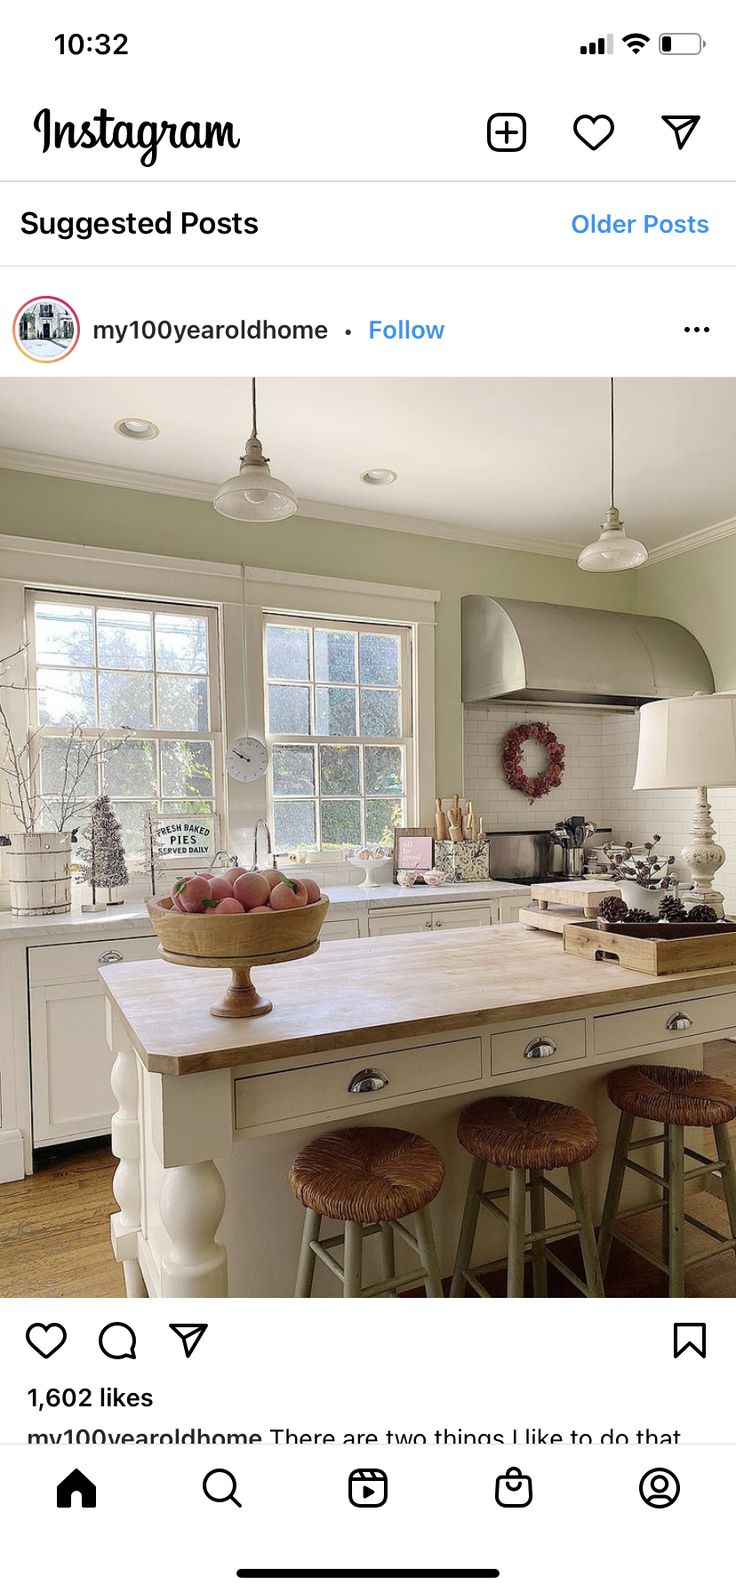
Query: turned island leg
[126, 1184]
[191, 1124]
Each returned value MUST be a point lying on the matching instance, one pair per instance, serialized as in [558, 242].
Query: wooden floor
[55, 1233]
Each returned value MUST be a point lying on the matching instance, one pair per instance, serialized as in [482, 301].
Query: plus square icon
[506, 132]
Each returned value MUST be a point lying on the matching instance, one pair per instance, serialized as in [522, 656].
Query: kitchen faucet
[271, 853]
[231, 860]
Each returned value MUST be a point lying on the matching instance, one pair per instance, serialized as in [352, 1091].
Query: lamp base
[703, 857]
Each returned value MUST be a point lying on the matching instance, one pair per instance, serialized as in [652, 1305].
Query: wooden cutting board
[686, 955]
[582, 894]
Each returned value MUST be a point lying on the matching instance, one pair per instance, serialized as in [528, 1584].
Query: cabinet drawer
[306, 1091]
[508, 1051]
[340, 929]
[626, 1030]
[397, 920]
[477, 917]
[54, 964]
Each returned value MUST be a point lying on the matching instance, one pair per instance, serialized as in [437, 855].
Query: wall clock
[246, 759]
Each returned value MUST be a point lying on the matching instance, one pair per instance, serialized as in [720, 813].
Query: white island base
[212, 1112]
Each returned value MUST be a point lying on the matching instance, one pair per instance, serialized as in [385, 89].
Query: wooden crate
[658, 949]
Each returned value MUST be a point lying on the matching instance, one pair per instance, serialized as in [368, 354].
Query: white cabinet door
[479, 916]
[398, 921]
[70, 1063]
[510, 908]
[340, 929]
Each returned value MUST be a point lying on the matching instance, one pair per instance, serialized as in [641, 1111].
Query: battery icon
[681, 43]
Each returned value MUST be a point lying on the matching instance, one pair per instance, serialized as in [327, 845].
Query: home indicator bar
[334, 1574]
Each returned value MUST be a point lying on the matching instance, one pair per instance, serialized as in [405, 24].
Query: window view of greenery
[336, 732]
[140, 668]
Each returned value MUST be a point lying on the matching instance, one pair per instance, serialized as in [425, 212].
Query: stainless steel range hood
[547, 652]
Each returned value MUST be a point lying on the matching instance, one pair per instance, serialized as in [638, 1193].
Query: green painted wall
[101, 516]
[699, 590]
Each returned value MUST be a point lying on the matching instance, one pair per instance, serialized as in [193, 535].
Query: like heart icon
[593, 130]
[46, 1340]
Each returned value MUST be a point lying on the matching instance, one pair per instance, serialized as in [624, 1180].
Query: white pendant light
[613, 549]
[254, 493]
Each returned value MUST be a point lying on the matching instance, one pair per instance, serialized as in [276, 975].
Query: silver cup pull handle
[539, 1049]
[678, 1021]
[108, 957]
[369, 1081]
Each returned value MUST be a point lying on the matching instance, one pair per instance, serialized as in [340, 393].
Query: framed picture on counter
[414, 850]
[180, 842]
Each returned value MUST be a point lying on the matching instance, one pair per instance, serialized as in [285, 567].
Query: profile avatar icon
[659, 1488]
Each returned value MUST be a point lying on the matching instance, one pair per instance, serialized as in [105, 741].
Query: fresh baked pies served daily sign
[246, 758]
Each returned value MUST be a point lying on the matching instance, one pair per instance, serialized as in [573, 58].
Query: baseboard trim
[12, 1168]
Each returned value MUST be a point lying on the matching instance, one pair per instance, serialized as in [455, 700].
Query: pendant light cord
[613, 449]
[254, 432]
[245, 647]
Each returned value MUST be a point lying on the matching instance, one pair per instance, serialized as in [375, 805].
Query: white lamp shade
[687, 742]
[255, 494]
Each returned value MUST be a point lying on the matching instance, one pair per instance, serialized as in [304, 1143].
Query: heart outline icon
[41, 1329]
[589, 122]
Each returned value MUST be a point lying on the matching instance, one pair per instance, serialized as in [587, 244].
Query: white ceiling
[501, 462]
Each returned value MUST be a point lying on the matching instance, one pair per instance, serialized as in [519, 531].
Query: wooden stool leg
[388, 1258]
[307, 1257]
[469, 1224]
[517, 1210]
[615, 1185]
[428, 1254]
[591, 1262]
[352, 1287]
[539, 1248]
[676, 1155]
[728, 1175]
[666, 1206]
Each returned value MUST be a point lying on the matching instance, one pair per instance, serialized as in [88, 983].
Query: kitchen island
[211, 1112]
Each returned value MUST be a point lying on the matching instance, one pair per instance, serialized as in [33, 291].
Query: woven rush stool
[678, 1098]
[527, 1136]
[371, 1180]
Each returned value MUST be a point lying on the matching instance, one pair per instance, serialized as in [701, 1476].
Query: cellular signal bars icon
[602, 46]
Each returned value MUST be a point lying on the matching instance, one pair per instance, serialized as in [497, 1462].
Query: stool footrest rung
[408, 1279]
[643, 1144]
[559, 1265]
[708, 1254]
[558, 1193]
[644, 1254]
[404, 1233]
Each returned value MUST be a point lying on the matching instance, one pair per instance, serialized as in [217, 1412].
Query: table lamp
[689, 743]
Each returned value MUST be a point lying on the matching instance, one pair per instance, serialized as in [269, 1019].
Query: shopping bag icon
[514, 1489]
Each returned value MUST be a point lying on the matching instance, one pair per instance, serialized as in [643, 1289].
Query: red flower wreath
[513, 766]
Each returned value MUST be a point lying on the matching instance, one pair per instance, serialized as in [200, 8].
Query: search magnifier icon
[221, 1487]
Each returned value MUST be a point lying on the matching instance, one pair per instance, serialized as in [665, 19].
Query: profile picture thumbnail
[46, 329]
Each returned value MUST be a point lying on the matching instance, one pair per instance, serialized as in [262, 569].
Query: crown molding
[688, 544]
[201, 491]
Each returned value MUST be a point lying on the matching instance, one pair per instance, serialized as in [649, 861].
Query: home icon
[74, 1483]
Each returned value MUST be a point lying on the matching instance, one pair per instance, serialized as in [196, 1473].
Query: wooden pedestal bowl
[240, 942]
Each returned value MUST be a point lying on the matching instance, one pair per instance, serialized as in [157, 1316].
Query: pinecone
[675, 915]
[612, 909]
[671, 907]
[640, 915]
[702, 914]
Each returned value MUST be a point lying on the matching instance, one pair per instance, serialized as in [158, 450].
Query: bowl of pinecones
[673, 919]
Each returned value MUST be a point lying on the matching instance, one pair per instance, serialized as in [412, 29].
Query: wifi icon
[635, 41]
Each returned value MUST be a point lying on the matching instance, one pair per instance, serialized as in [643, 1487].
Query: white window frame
[152, 605]
[404, 739]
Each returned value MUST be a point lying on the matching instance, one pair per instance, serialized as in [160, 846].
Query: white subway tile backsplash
[600, 760]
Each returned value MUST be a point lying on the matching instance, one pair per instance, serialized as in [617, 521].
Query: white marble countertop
[131, 918]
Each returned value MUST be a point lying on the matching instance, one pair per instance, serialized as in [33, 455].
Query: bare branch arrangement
[650, 871]
[19, 763]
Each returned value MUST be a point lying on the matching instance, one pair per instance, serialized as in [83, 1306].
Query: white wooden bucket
[39, 874]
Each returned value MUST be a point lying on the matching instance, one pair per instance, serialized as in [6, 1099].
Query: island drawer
[54, 964]
[274, 1097]
[544, 1046]
[680, 1020]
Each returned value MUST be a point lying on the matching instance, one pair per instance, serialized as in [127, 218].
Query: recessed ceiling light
[137, 430]
[378, 477]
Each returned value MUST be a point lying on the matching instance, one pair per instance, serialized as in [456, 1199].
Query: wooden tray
[655, 947]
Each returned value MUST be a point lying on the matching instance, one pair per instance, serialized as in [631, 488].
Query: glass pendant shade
[613, 549]
[254, 494]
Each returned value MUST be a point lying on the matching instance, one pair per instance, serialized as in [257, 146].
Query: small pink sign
[415, 852]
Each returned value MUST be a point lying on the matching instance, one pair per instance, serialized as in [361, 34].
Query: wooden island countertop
[355, 992]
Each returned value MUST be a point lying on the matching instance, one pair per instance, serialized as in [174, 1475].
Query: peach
[289, 893]
[312, 889]
[273, 875]
[219, 890]
[196, 891]
[256, 911]
[252, 889]
[226, 907]
[231, 874]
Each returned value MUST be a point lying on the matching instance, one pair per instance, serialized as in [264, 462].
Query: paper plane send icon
[191, 1333]
[682, 126]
